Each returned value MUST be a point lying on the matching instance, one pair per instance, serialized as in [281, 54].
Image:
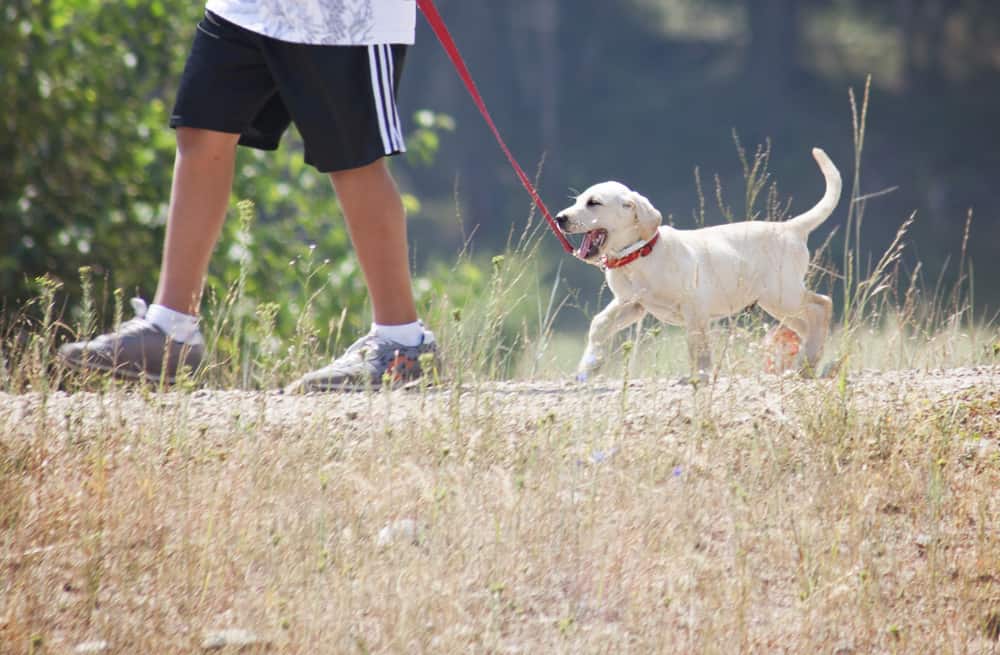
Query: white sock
[408, 334]
[178, 326]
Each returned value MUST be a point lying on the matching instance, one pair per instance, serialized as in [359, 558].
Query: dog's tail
[809, 221]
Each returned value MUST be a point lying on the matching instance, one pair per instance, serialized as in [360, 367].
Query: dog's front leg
[616, 316]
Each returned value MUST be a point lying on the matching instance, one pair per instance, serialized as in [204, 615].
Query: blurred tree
[922, 23]
[772, 53]
[84, 160]
[644, 101]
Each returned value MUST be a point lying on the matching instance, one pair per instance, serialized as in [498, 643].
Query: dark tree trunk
[547, 31]
[922, 22]
[772, 55]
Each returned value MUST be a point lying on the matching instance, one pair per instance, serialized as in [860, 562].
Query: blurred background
[648, 92]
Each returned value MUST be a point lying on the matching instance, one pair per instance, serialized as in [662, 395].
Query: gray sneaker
[371, 363]
[137, 350]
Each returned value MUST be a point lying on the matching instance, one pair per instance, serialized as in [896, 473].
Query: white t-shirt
[324, 22]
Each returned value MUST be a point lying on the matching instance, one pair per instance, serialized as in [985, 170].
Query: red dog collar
[611, 262]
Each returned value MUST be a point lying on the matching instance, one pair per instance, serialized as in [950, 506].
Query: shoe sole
[348, 387]
[117, 373]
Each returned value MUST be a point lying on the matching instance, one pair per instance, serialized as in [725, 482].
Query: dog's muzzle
[591, 245]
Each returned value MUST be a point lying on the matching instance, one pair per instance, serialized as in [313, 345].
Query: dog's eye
[594, 202]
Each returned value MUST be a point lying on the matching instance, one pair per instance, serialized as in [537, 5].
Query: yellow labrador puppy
[692, 277]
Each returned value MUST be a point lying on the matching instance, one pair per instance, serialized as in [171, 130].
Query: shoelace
[367, 341]
[138, 323]
[135, 326]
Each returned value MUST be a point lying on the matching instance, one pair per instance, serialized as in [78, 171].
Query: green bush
[88, 162]
[86, 156]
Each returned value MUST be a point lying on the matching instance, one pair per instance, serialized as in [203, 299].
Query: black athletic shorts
[341, 98]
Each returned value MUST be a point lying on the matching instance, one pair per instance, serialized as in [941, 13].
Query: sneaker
[137, 350]
[370, 363]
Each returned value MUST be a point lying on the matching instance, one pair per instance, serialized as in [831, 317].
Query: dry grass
[755, 515]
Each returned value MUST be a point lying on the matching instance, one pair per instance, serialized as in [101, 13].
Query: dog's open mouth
[591, 244]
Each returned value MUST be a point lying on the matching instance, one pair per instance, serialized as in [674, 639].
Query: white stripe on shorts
[388, 95]
[396, 124]
[384, 128]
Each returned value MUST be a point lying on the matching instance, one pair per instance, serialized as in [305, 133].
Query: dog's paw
[589, 365]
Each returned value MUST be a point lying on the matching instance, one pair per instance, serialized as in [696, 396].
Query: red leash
[441, 31]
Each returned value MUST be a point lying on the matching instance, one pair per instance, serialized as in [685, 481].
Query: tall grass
[504, 512]
[506, 327]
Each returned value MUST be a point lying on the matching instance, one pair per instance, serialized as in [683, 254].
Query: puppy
[692, 277]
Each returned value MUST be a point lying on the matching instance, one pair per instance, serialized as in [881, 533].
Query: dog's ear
[646, 216]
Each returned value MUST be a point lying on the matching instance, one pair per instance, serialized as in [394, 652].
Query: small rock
[401, 530]
[843, 648]
[233, 638]
[982, 449]
[91, 647]
[988, 449]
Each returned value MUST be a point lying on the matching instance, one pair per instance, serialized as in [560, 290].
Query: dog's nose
[562, 219]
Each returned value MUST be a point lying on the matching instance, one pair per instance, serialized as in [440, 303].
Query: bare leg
[376, 221]
[203, 180]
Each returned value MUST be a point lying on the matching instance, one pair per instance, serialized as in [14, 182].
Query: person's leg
[155, 346]
[227, 90]
[398, 350]
[376, 221]
[227, 95]
[199, 197]
[348, 132]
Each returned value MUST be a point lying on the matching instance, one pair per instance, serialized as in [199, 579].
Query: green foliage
[86, 156]
[88, 163]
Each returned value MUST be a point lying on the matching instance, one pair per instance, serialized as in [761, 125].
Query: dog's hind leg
[616, 316]
[819, 313]
[811, 321]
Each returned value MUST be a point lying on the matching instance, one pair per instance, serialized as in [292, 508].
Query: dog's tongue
[584, 248]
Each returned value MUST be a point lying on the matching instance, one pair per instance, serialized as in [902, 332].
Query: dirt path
[642, 404]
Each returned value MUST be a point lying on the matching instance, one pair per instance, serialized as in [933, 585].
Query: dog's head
[611, 217]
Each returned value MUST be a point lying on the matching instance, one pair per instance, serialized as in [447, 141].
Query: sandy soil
[652, 404]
